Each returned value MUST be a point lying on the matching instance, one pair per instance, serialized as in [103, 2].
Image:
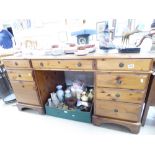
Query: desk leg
[39, 109]
[147, 104]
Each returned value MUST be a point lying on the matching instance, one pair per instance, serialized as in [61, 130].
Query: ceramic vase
[60, 93]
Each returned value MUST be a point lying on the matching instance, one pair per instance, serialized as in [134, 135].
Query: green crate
[75, 114]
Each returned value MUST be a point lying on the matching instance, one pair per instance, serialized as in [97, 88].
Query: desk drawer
[17, 63]
[25, 92]
[123, 95]
[24, 75]
[118, 110]
[120, 80]
[125, 64]
[63, 64]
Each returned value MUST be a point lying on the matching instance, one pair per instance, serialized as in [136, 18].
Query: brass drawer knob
[117, 95]
[16, 63]
[41, 64]
[121, 65]
[118, 82]
[23, 86]
[115, 110]
[79, 64]
[19, 75]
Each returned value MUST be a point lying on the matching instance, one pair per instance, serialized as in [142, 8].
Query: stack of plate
[81, 52]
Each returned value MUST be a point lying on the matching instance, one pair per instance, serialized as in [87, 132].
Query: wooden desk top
[99, 54]
[5, 53]
[9, 52]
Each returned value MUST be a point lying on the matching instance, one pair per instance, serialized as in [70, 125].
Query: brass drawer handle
[41, 64]
[23, 86]
[19, 75]
[117, 95]
[115, 110]
[79, 64]
[121, 65]
[16, 63]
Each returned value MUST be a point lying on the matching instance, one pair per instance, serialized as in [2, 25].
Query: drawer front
[63, 64]
[17, 63]
[118, 110]
[24, 75]
[130, 81]
[120, 95]
[25, 92]
[125, 64]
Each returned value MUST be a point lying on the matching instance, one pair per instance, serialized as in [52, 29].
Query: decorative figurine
[105, 39]
[126, 35]
[55, 100]
[126, 47]
[84, 96]
[90, 95]
[60, 93]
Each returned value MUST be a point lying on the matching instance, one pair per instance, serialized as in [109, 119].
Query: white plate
[81, 52]
[69, 51]
[91, 50]
[57, 52]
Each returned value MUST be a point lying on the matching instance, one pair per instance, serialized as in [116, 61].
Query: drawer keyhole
[41, 64]
[79, 64]
[121, 65]
[23, 86]
[115, 110]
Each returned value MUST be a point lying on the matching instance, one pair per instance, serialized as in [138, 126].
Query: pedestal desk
[121, 83]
